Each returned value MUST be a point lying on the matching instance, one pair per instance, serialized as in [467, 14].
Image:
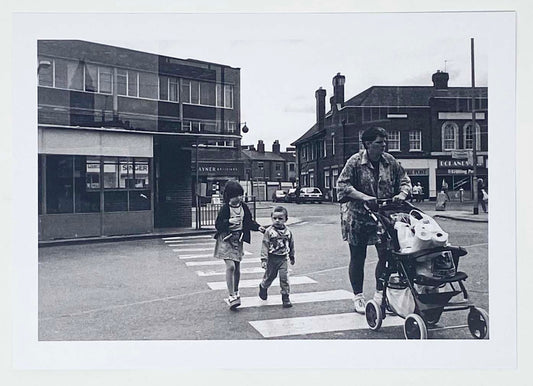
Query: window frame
[390, 134]
[418, 141]
[455, 139]
[466, 126]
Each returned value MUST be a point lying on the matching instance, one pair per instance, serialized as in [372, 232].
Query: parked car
[310, 195]
[279, 195]
[291, 195]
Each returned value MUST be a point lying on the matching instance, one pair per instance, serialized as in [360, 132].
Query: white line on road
[188, 237]
[193, 242]
[317, 324]
[191, 249]
[220, 285]
[202, 256]
[220, 262]
[305, 297]
[222, 273]
[301, 223]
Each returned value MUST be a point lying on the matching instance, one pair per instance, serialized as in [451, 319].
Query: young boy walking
[278, 247]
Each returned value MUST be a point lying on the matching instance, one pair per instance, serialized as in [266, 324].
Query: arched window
[469, 136]
[449, 136]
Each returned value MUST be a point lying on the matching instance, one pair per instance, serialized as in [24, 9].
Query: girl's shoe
[359, 303]
[233, 302]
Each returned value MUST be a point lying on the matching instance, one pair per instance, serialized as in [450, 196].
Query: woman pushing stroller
[368, 175]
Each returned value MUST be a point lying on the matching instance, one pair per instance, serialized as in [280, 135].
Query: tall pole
[474, 131]
[198, 225]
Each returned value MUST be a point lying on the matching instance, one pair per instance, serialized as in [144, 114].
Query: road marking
[306, 297]
[301, 223]
[188, 237]
[317, 324]
[192, 249]
[172, 243]
[220, 262]
[221, 273]
[202, 256]
[220, 285]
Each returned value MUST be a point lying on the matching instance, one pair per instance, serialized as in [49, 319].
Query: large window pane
[141, 178]
[195, 92]
[219, 95]
[140, 200]
[106, 80]
[126, 173]
[228, 96]
[59, 184]
[91, 78]
[186, 91]
[87, 184]
[122, 81]
[173, 90]
[75, 75]
[111, 173]
[116, 201]
[207, 94]
[61, 73]
[133, 77]
[163, 88]
[148, 85]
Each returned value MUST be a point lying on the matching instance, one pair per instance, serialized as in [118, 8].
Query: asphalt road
[171, 289]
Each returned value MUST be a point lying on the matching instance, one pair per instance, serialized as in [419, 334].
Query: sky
[285, 58]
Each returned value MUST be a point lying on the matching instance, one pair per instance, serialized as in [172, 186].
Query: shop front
[458, 176]
[212, 176]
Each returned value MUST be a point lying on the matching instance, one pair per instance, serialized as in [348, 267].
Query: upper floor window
[291, 167]
[324, 149]
[415, 140]
[333, 144]
[230, 127]
[469, 136]
[228, 96]
[393, 140]
[168, 89]
[449, 136]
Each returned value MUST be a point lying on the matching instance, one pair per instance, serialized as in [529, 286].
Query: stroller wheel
[478, 323]
[414, 327]
[373, 315]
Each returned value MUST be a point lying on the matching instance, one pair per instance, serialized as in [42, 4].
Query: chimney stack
[320, 96]
[440, 80]
[260, 146]
[338, 89]
[276, 148]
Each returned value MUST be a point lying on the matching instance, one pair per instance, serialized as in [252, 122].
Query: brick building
[121, 133]
[274, 169]
[429, 132]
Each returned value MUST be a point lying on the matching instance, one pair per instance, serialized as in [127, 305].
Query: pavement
[456, 211]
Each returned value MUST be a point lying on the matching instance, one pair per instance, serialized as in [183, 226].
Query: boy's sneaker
[359, 303]
[263, 292]
[286, 301]
[233, 302]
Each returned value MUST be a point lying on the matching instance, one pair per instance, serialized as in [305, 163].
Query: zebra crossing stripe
[297, 298]
[221, 273]
[191, 242]
[252, 283]
[317, 324]
[192, 249]
[188, 237]
[202, 256]
[220, 262]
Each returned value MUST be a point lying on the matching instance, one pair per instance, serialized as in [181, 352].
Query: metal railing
[206, 214]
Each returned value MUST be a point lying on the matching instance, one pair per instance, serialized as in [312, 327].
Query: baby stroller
[419, 280]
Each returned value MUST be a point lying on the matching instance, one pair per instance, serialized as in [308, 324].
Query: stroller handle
[383, 202]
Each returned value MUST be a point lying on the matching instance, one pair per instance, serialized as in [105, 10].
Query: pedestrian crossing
[196, 252]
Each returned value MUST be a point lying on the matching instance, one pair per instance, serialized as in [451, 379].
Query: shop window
[393, 140]
[59, 184]
[449, 136]
[111, 173]
[291, 167]
[139, 200]
[326, 179]
[115, 201]
[86, 184]
[415, 140]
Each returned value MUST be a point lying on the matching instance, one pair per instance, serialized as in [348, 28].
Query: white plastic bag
[401, 301]
[426, 232]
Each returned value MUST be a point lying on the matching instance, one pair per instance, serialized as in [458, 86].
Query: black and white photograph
[274, 189]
